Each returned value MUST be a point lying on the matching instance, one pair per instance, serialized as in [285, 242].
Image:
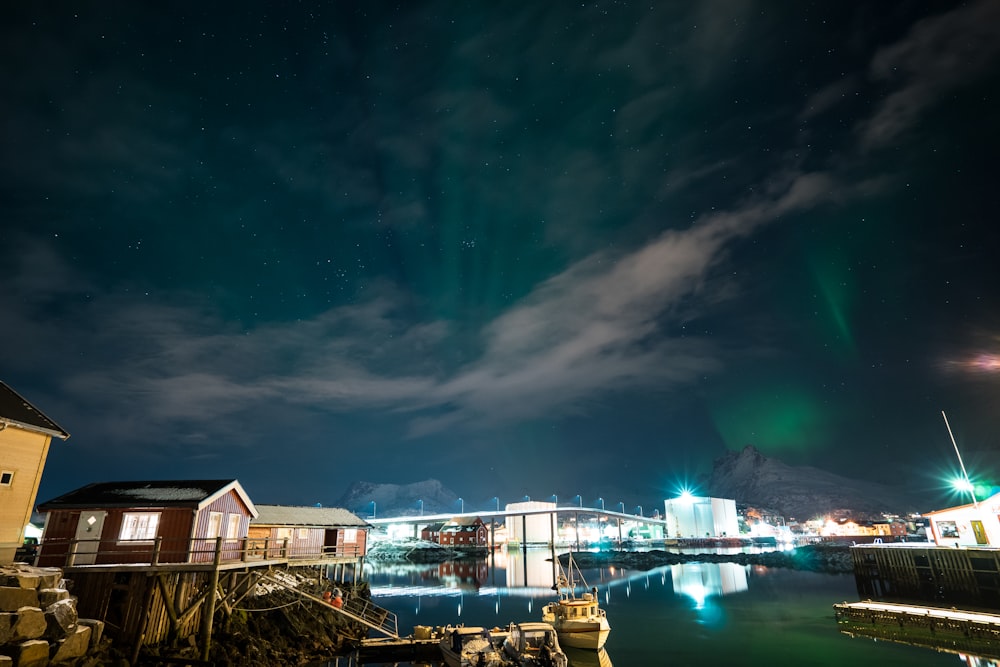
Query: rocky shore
[834, 559]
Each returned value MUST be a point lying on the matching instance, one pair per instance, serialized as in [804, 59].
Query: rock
[13, 598]
[48, 596]
[60, 619]
[73, 646]
[32, 653]
[96, 630]
[7, 620]
[30, 624]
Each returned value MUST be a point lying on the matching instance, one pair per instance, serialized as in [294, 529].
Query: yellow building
[25, 434]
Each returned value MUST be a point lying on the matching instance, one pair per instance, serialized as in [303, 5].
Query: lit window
[284, 534]
[139, 526]
[233, 527]
[214, 525]
[303, 533]
[351, 535]
[6, 478]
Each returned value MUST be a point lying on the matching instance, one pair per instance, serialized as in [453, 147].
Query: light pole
[580, 498]
[639, 507]
[461, 505]
[601, 500]
[373, 509]
[497, 499]
[421, 501]
[621, 505]
[555, 499]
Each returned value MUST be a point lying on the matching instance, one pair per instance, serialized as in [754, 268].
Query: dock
[939, 628]
[400, 649]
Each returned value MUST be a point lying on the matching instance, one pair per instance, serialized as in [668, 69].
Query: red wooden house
[173, 521]
[465, 532]
[432, 532]
[307, 532]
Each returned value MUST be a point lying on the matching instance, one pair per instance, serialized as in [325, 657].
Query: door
[980, 532]
[88, 536]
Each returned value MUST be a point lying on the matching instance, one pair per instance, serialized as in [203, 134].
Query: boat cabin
[165, 521]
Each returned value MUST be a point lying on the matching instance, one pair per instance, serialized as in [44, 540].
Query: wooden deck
[953, 630]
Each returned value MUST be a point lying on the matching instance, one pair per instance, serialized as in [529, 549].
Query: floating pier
[943, 576]
[954, 630]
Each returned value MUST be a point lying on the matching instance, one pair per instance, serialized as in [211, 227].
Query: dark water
[678, 615]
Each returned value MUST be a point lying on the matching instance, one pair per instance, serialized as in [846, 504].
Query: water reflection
[706, 613]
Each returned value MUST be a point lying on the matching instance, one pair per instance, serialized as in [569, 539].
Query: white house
[972, 525]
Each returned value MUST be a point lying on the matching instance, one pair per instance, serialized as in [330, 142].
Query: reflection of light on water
[698, 593]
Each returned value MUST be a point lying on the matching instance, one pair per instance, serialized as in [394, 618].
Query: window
[303, 533]
[947, 528]
[284, 534]
[351, 535]
[6, 477]
[139, 526]
[233, 527]
[214, 525]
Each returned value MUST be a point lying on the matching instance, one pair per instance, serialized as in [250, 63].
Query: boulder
[96, 630]
[73, 646]
[60, 619]
[32, 653]
[13, 598]
[48, 596]
[7, 620]
[30, 624]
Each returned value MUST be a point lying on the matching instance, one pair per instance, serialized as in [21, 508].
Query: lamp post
[461, 505]
[373, 509]
[497, 500]
[421, 501]
[639, 507]
[621, 505]
[527, 498]
[601, 500]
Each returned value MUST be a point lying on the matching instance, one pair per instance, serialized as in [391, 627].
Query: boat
[534, 644]
[579, 621]
[473, 646]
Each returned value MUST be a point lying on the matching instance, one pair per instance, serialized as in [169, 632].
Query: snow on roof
[165, 493]
[290, 515]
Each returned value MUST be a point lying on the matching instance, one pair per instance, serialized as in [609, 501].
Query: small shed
[465, 532]
[307, 532]
[170, 521]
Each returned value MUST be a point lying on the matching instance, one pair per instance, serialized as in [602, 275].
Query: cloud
[170, 363]
[939, 55]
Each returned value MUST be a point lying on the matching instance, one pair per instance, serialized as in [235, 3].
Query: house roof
[434, 527]
[160, 493]
[290, 515]
[15, 410]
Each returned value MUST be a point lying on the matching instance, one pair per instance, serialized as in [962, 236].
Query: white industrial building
[697, 516]
[537, 527]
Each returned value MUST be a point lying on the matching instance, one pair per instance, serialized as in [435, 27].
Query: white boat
[472, 646]
[579, 621]
[534, 645]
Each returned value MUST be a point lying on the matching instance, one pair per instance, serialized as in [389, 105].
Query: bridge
[503, 514]
[491, 517]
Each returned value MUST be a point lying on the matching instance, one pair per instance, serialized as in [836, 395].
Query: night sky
[525, 248]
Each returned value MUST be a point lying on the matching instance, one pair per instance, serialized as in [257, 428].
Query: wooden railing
[78, 552]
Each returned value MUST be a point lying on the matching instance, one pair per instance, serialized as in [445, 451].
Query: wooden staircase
[360, 610]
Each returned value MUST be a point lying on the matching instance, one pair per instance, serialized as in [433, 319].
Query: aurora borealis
[529, 248]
